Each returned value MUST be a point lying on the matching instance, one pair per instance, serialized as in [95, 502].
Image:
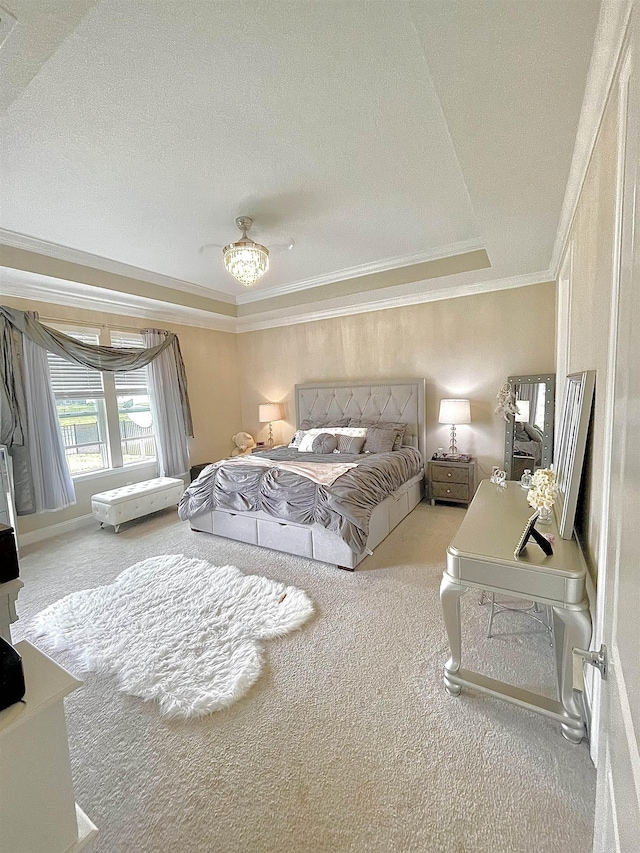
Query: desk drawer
[450, 491]
[443, 474]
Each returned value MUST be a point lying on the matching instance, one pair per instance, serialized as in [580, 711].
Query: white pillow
[311, 434]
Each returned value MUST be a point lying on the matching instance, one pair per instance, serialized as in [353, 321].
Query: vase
[545, 514]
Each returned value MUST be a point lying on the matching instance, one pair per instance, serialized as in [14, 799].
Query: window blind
[70, 380]
[130, 381]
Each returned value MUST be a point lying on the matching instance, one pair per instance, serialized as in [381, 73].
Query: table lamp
[267, 413]
[454, 412]
[522, 410]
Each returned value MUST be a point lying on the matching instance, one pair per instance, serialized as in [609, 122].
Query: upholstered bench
[116, 506]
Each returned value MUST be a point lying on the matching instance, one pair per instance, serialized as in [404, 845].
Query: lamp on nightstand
[454, 412]
[269, 412]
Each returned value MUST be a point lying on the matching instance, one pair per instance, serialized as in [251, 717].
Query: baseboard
[55, 529]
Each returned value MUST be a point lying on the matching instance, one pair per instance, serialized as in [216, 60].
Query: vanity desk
[481, 556]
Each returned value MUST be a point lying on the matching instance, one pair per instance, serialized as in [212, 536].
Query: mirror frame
[547, 447]
[571, 445]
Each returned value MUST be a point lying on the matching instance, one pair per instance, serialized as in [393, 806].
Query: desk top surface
[492, 528]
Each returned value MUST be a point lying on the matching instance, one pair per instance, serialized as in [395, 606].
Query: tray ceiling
[377, 136]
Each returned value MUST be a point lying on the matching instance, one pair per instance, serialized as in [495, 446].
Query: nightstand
[451, 481]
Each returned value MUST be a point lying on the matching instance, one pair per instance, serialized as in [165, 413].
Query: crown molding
[285, 318]
[41, 288]
[453, 249]
[77, 256]
[609, 41]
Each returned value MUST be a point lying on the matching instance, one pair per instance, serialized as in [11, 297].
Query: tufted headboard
[400, 400]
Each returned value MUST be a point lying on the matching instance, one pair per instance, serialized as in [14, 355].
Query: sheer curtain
[171, 418]
[52, 483]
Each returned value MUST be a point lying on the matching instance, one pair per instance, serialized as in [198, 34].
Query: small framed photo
[531, 532]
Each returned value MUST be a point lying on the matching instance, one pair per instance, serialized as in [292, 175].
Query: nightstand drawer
[449, 491]
[446, 474]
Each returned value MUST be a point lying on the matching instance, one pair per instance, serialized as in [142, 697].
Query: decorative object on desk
[506, 401]
[176, 630]
[531, 532]
[498, 477]
[454, 412]
[243, 443]
[12, 687]
[269, 412]
[543, 493]
[526, 479]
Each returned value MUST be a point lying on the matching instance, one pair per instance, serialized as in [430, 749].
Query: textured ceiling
[373, 134]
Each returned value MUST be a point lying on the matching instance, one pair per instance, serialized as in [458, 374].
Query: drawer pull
[448, 491]
[449, 474]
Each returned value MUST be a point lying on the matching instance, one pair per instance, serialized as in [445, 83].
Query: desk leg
[570, 628]
[450, 593]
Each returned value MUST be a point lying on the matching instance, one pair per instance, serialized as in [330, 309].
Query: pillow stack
[351, 436]
[381, 437]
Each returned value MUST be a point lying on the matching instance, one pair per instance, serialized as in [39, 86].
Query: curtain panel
[171, 426]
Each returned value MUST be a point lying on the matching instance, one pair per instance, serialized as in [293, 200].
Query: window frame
[108, 411]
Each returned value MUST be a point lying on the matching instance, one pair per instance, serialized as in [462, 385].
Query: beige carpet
[348, 741]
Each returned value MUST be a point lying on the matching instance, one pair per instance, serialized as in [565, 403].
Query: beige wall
[464, 347]
[211, 365]
[591, 242]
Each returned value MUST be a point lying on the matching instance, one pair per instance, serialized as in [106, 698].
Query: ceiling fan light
[246, 261]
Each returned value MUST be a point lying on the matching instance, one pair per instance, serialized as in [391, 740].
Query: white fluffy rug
[176, 630]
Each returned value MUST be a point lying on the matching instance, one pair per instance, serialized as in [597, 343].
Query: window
[105, 418]
[79, 393]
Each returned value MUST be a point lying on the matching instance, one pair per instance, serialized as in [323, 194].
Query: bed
[262, 500]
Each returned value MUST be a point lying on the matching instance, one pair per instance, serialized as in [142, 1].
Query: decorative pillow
[398, 429]
[297, 438]
[379, 440]
[335, 422]
[350, 443]
[306, 444]
[326, 442]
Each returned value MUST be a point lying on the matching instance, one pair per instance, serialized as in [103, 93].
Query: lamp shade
[268, 412]
[523, 407]
[454, 412]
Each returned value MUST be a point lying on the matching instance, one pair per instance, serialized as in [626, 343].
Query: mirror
[572, 441]
[529, 433]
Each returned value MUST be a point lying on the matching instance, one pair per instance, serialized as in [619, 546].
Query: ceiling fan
[246, 260]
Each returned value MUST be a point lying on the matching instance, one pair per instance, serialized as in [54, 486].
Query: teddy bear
[243, 443]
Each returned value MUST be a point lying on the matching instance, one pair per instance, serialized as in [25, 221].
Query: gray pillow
[379, 440]
[398, 430]
[324, 443]
[350, 443]
[310, 424]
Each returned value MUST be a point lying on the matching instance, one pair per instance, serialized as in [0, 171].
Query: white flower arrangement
[543, 491]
